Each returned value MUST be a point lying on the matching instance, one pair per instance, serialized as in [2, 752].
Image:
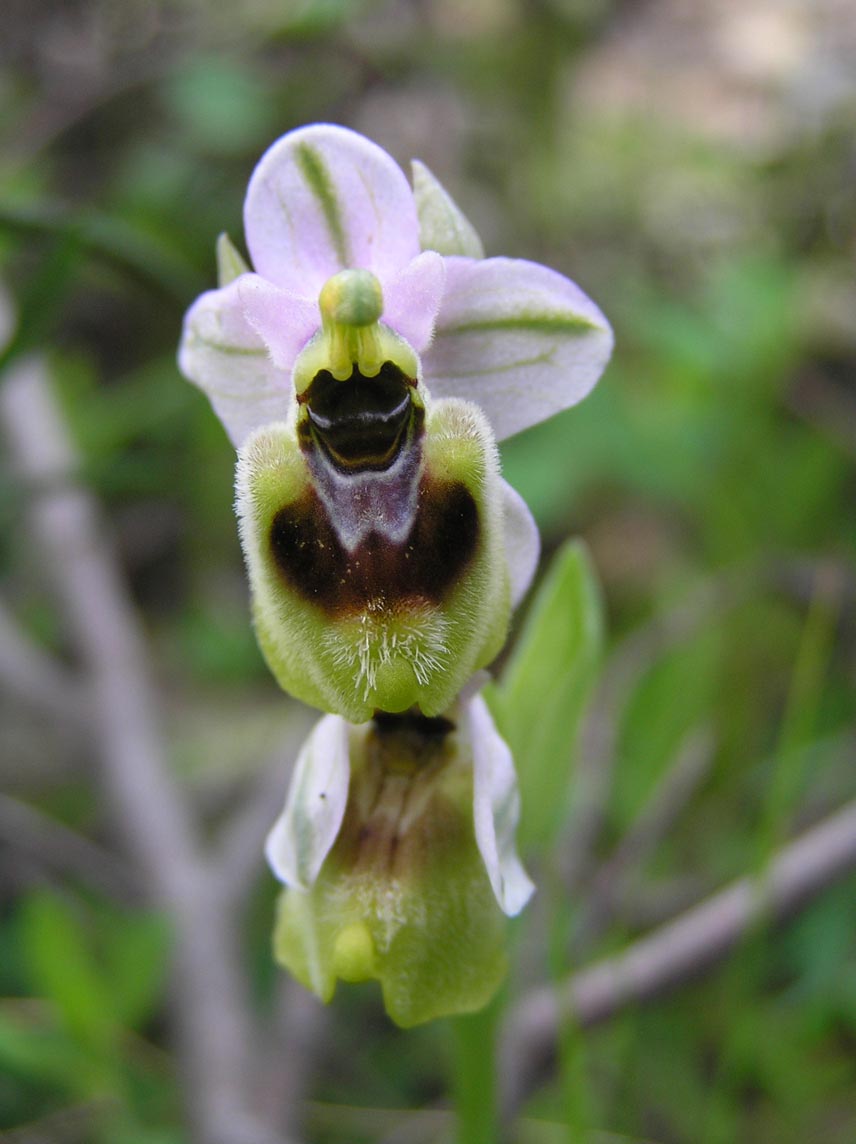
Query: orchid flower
[397, 848]
[365, 370]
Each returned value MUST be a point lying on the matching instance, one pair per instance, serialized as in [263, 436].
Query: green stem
[474, 1076]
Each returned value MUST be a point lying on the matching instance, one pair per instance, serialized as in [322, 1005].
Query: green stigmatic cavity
[403, 897]
[374, 542]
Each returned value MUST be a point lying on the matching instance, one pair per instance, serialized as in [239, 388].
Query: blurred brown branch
[217, 1035]
[693, 942]
[609, 885]
[34, 677]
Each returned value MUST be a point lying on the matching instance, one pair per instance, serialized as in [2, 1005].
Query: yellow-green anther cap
[352, 339]
[351, 304]
[351, 298]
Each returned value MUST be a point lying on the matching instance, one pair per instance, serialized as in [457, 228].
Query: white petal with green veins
[222, 354]
[323, 199]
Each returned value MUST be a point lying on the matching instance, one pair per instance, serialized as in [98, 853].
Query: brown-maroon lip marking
[424, 568]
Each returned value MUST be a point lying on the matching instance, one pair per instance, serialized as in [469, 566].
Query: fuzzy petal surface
[412, 299]
[518, 339]
[283, 321]
[323, 199]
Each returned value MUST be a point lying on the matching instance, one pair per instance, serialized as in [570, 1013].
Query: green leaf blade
[540, 700]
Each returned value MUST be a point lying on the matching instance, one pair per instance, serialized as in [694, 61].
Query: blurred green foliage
[705, 201]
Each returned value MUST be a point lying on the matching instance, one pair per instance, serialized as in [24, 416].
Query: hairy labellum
[376, 588]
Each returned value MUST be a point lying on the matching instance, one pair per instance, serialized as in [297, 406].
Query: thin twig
[651, 904]
[670, 797]
[54, 844]
[35, 677]
[692, 943]
[217, 1038]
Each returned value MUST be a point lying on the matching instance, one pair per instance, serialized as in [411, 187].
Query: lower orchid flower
[397, 849]
[365, 371]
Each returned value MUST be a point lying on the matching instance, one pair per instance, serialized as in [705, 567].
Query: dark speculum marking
[423, 569]
[405, 743]
[413, 722]
[360, 423]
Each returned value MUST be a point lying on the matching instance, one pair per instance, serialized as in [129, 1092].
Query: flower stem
[474, 1076]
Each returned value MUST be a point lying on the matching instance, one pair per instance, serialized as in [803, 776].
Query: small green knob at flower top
[352, 340]
[351, 298]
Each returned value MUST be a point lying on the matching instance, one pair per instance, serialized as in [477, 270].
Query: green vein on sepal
[318, 177]
[547, 325]
[225, 348]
